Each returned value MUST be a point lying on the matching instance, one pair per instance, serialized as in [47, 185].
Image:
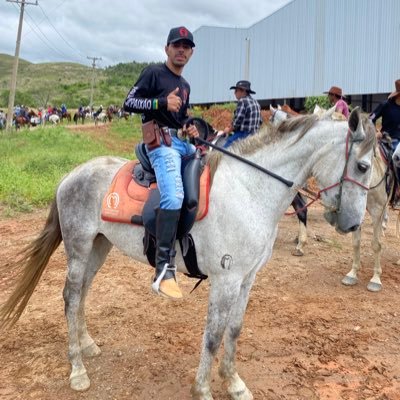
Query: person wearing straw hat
[247, 117]
[336, 98]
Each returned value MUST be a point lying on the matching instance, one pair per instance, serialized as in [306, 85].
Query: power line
[45, 40]
[59, 34]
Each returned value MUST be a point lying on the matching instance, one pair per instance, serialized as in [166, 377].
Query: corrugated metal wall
[301, 50]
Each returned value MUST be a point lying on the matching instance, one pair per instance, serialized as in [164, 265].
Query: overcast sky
[116, 30]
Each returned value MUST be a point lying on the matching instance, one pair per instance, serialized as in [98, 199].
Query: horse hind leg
[82, 268]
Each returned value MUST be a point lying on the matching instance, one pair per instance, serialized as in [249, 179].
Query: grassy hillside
[69, 83]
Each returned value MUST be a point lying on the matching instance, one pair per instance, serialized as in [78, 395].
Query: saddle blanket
[125, 198]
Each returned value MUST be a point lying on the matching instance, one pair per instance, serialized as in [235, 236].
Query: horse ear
[271, 108]
[279, 107]
[355, 125]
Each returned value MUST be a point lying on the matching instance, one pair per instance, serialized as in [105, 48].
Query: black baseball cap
[180, 33]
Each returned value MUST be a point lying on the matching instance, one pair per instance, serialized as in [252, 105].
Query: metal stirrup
[156, 284]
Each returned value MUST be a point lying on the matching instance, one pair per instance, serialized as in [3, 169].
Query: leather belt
[172, 131]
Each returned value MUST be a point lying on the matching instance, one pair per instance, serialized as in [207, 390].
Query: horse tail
[30, 266]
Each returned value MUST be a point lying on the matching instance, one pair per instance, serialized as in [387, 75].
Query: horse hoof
[242, 395]
[297, 253]
[200, 394]
[91, 351]
[80, 383]
[349, 281]
[374, 287]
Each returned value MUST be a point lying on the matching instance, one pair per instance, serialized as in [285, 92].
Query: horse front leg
[237, 389]
[301, 240]
[375, 284]
[351, 278]
[224, 292]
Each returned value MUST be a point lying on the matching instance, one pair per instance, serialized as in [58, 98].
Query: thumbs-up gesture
[174, 102]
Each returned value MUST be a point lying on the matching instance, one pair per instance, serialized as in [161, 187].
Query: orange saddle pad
[125, 198]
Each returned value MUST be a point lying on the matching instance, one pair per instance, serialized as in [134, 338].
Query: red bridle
[344, 177]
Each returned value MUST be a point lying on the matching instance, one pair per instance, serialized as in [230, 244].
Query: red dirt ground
[305, 336]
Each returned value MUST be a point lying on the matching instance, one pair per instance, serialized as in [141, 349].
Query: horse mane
[267, 134]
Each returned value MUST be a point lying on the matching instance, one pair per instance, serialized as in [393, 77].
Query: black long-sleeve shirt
[390, 113]
[149, 96]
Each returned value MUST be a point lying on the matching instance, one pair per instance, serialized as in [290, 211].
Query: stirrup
[156, 284]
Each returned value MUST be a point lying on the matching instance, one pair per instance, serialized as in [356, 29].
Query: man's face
[239, 93]
[179, 53]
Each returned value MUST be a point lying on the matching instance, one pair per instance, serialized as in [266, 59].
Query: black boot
[165, 282]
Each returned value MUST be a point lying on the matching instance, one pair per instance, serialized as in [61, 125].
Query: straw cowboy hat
[397, 92]
[337, 91]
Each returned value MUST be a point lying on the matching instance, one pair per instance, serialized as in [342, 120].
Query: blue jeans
[236, 136]
[167, 164]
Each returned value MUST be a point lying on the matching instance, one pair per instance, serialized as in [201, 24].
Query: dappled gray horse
[233, 242]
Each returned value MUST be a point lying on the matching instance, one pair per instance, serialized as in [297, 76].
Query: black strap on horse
[244, 160]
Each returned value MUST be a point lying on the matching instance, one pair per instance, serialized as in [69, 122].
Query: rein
[244, 160]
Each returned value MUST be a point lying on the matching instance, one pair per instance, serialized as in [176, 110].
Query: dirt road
[305, 336]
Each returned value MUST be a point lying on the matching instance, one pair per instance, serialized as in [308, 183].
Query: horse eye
[362, 167]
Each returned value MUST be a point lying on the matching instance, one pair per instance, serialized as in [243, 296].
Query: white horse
[54, 119]
[233, 242]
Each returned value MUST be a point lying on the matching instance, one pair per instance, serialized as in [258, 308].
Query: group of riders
[25, 116]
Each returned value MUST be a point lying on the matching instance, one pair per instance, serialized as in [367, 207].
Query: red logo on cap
[183, 32]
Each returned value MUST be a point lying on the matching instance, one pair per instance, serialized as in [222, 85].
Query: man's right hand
[174, 102]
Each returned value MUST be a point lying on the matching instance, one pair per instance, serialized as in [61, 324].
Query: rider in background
[336, 98]
[247, 117]
[389, 112]
[63, 109]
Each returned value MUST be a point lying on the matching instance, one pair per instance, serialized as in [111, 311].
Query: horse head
[345, 199]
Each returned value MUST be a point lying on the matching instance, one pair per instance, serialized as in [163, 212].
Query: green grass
[32, 163]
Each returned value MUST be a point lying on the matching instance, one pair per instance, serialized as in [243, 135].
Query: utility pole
[94, 59]
[13, 83]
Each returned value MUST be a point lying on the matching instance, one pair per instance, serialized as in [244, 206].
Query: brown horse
[66, 115]
[21, 121]
[79, 115]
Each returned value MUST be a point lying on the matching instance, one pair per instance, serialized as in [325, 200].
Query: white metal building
[302, 50]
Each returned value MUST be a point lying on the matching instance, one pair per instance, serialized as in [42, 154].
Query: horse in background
[21, 121]
[65, 115]
[378, 197]
[54, 119]
[111, 112]
[79, 115]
